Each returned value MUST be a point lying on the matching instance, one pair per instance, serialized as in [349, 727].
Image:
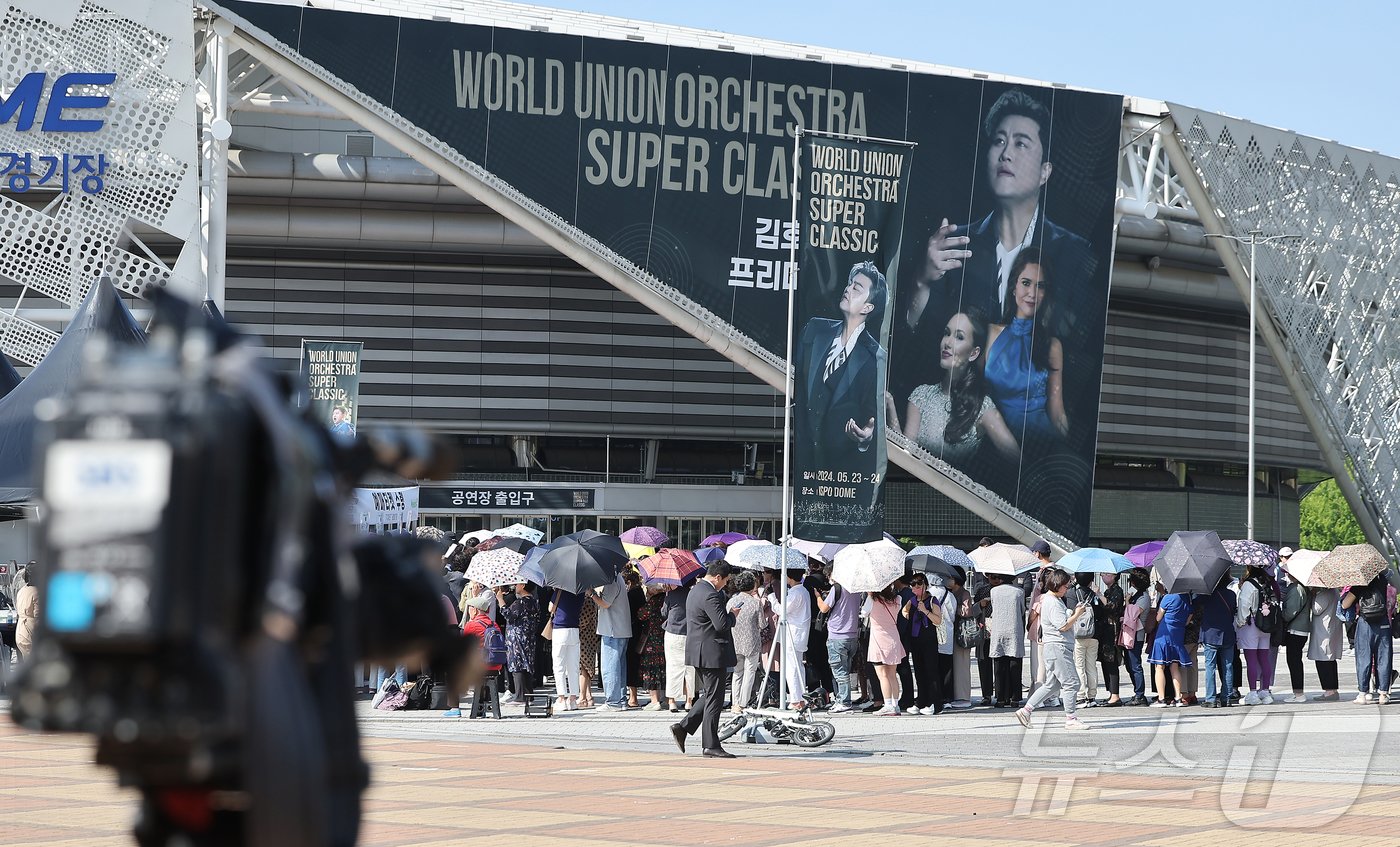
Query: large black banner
[851, 199]
[332, 372]
[678, 159]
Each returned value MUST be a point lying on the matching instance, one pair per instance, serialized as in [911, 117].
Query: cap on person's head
[480, 602]
[1285, 552]
[1041, 547]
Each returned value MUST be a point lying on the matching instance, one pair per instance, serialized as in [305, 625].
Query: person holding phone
[1057, 650]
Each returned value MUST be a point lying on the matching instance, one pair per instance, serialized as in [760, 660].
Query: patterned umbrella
[496, 567]
[670, 567]
[1142, 555]
[765, 555]
[722, 538]
[637, 551]
[1301, 565]
[646, 536]
[1095, 560]
[1005, 559]
[705, 555]
[733, 550]
[951, 555]
[868, 567]
[501, 542]
[1192, 563]
[933, 566]
[1349, 564]
[520, 530]
[1245, 553]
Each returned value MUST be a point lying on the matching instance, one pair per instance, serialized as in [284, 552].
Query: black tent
[102, 311]
[9, 377]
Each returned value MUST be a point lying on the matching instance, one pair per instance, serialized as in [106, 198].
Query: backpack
[1268, 617]
[1372, 605]
[493, 645]
[1084, 627]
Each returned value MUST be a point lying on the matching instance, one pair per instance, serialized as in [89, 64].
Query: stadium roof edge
[526, 16]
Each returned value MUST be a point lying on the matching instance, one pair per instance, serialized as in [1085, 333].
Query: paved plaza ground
[1174, 778]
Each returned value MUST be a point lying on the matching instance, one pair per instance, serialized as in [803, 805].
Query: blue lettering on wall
[22, 106]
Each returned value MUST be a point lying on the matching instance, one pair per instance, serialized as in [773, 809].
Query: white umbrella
[1300, 565]
[731, 553]
[1004, 559]
[520, 530]
[479, 535]
[868, 567]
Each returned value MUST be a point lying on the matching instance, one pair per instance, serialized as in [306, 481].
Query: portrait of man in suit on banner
[839, 388]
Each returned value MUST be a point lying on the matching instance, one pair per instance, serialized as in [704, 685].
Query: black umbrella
[933, 566]
[501, 542]
[582, 561]
[1192, 562]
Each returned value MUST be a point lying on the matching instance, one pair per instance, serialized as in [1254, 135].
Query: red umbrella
[670, 567]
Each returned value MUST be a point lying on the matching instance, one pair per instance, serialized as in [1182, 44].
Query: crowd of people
[1044, 638]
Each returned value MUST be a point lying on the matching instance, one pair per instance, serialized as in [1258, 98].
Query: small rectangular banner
[851, 216]
[332, 372]
[384, 510]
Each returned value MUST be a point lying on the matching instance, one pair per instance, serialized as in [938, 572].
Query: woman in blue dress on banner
[1025, 361]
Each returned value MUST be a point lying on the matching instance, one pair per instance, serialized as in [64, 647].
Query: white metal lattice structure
[1332, 297]
[56, 250]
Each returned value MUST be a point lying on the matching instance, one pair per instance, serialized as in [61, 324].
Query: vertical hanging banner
[850, 218]
[332, 372]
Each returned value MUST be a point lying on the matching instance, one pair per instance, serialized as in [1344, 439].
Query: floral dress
[653, 643]
[522, 622]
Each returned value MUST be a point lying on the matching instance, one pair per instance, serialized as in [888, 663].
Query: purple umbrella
[645, 536]
[1142, 555]
[723, 538]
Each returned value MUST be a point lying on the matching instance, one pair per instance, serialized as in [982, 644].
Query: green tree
[1326, 520]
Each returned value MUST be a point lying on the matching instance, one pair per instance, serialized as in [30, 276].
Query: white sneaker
[1266, 697]
[1024, 716]
[912, 710]
[889, 710]
[838, 709]
[1075, 723]
[1364, 698]
[1251, 699]
[1297, 698]
[1158, 704]
[1383, 698]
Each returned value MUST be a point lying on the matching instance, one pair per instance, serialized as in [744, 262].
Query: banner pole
[787, 416]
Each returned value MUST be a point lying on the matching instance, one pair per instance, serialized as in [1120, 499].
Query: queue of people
[917, 647]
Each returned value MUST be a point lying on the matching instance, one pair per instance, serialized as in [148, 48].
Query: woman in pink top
[886, 651]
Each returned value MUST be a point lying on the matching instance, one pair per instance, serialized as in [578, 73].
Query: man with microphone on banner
[853, 206]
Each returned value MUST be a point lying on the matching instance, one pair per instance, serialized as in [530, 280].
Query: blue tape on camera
[70, 604]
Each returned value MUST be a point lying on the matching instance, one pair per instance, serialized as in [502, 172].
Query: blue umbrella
[949, 554]
[705, 555]
[530, 568]
[1095, 560]
[766, 557]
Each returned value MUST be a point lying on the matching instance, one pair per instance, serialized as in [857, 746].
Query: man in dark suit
[710, 650]
[837, 381]
[1016, 134]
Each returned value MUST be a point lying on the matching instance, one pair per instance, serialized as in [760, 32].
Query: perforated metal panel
[148, 139]
[1333, 294]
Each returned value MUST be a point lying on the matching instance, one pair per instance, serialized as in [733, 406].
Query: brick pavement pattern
[426, 794]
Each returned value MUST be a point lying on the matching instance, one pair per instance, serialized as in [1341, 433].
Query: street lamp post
[1254, 239]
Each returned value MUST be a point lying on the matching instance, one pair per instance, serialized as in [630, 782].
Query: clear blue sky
[1323, 69]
